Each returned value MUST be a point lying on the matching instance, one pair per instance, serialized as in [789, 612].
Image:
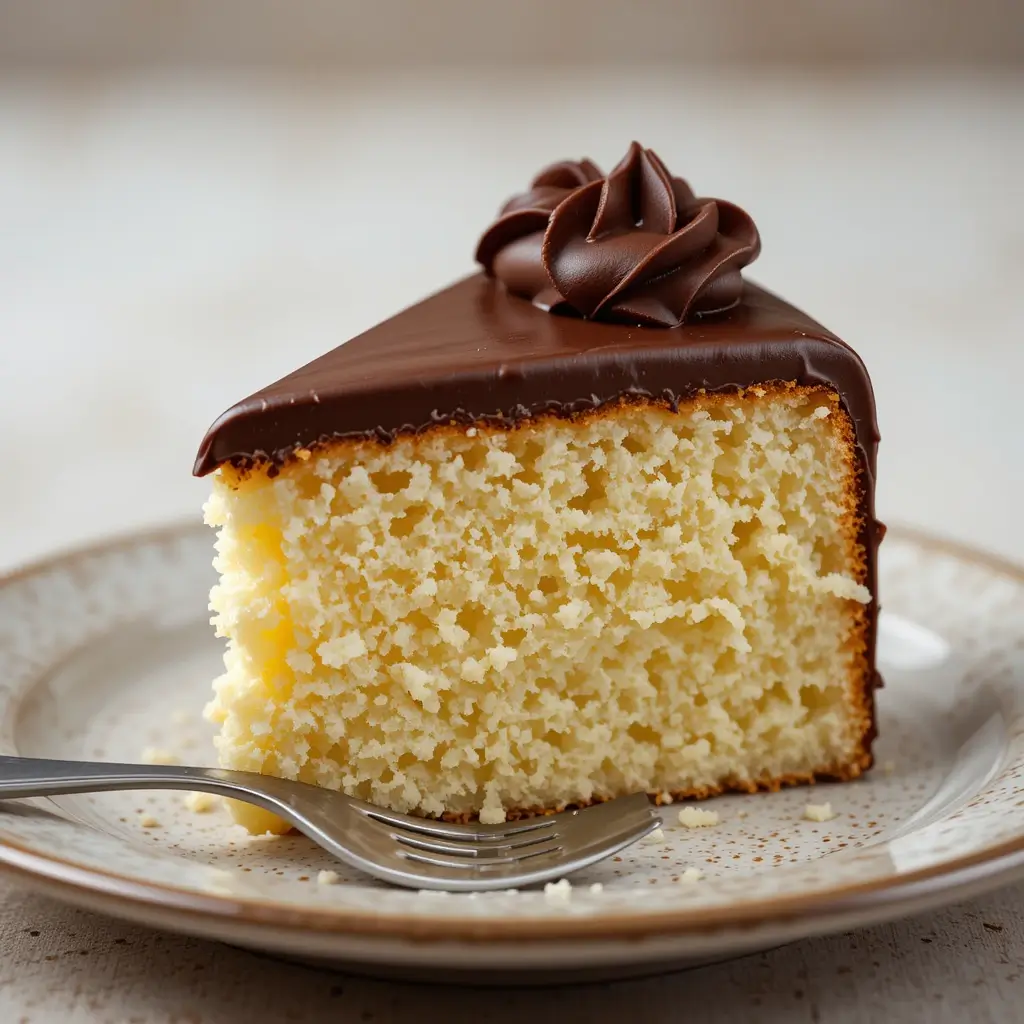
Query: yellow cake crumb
[697, 817]
[327, 878]
[819, 812]
[149, 821]
[200, 803]
[656, 835]
[691, 875]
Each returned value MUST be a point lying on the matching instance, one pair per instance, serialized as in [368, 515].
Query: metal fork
[415, 852]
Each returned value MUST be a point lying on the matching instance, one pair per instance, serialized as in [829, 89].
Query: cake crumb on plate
[200, 803]
[148, 821]
[327, 878]
[691, 875]
[656, 835]
[819, 812]
[558, 894]
[597, 887]
[697, 817]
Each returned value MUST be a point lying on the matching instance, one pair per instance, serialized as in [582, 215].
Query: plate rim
[984, 869]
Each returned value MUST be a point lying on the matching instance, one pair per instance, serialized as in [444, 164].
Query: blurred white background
[196, 198]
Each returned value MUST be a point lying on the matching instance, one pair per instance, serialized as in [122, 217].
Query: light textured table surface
[964, 965]
[168, 245]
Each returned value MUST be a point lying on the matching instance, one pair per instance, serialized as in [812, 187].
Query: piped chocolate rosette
[633, 247]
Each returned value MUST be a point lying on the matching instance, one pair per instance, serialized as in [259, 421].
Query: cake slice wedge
[514, 549]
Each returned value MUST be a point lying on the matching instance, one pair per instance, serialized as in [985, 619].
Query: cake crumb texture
[566, 611]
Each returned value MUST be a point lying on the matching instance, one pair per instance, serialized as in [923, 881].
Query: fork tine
[481, 851]
[404, 850]
[632, 827]
[606, 844]
[567, 831]
[484, 864]
[448, 830]
[435, 871]
[477, 833]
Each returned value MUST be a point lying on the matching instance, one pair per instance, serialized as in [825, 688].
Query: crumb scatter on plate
[697, 817]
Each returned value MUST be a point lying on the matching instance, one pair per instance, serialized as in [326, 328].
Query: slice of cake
[596, 520]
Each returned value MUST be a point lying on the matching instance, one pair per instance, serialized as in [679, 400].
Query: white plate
[106, 651]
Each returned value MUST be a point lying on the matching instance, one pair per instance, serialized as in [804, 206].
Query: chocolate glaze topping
[635, 247]
[473, 353]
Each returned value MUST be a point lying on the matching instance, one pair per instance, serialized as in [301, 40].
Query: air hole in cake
[729, 663]
[814, 697]
[633, 444]
[391, 482]
[553, 739]
[398, 578]
[513, 637]
[582, 700]
[475, 456]
[595, 482]
[644, 734]
[405, 524]
[476, 621]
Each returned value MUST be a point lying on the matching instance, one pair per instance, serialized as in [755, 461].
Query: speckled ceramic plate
[107, 651]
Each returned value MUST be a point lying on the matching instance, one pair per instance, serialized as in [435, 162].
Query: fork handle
[37, 776]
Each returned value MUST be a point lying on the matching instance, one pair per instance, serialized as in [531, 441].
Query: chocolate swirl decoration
[635, 247]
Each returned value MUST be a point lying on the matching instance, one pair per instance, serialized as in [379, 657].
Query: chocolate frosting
[635, 247]
[473, 353]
